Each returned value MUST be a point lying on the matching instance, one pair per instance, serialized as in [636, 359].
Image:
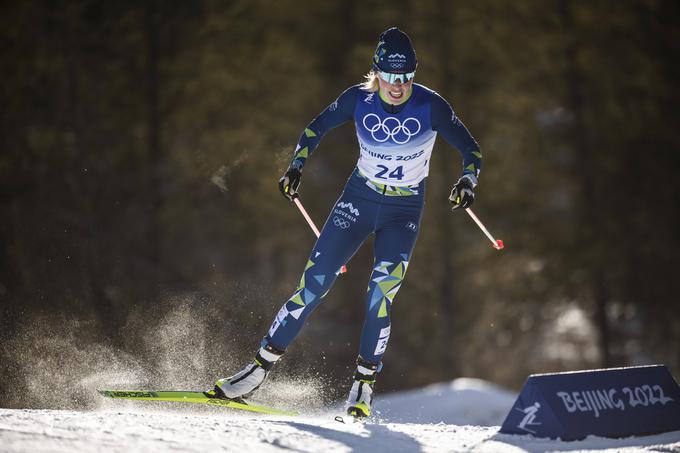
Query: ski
[191, 397]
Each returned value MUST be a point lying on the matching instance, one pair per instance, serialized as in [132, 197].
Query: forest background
[143, 239]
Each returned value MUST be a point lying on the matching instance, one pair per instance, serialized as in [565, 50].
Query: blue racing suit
[384, 196]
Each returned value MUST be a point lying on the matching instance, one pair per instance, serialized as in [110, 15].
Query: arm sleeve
[336, 114]
[446, 123]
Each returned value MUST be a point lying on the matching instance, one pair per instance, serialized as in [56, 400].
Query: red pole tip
[499, 244]
[343, 269]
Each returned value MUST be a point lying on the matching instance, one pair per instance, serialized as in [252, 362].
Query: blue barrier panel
[614, 402]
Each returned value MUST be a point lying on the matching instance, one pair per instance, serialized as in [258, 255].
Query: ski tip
[499, 244]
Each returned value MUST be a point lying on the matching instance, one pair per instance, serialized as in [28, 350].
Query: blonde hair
[371, 82]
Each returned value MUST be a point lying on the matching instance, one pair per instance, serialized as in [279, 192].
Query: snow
[458, 416]
[464, 401]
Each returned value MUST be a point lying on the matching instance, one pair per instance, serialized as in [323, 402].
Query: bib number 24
[397, 173]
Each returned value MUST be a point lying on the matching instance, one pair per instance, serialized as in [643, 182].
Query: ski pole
[309, 220]
[497, 243]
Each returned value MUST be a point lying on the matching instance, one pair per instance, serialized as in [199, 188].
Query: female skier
[396, 123]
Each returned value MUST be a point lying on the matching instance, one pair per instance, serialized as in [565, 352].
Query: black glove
[289, 182]
[462, 194]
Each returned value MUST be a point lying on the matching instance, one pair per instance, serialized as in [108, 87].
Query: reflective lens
[392, 78]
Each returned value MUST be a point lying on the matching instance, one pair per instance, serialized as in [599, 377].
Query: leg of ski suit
[358, 212]
[395, 237]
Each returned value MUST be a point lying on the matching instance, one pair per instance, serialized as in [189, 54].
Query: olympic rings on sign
[391, 127]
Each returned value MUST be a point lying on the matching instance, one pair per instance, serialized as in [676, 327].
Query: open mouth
[396, 94]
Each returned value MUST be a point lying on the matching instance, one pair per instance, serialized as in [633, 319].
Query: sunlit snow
[457, 416]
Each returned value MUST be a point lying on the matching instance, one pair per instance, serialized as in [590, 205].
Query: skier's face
[395, 93]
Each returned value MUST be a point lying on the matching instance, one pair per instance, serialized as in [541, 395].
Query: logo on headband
[396, 61]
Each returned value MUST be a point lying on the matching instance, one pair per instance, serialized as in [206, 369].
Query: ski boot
[245, 382]
[361, 393]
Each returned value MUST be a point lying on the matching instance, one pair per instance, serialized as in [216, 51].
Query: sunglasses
[392, 78]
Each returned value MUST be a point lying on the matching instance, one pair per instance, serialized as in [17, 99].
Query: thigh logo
[346, 210]
[412, 226]
[340, 223]
[349, 207]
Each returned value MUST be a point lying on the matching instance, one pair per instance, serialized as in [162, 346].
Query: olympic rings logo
[340, 223]
[391, 128]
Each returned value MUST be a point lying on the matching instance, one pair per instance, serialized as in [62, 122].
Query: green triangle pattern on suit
[383, 309]
[301, 285]
[297, 298]
[386, 286]
[304, 152]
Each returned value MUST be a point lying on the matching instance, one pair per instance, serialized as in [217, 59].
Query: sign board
[613, 402]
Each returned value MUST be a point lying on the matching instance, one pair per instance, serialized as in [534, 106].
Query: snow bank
[463, 401]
